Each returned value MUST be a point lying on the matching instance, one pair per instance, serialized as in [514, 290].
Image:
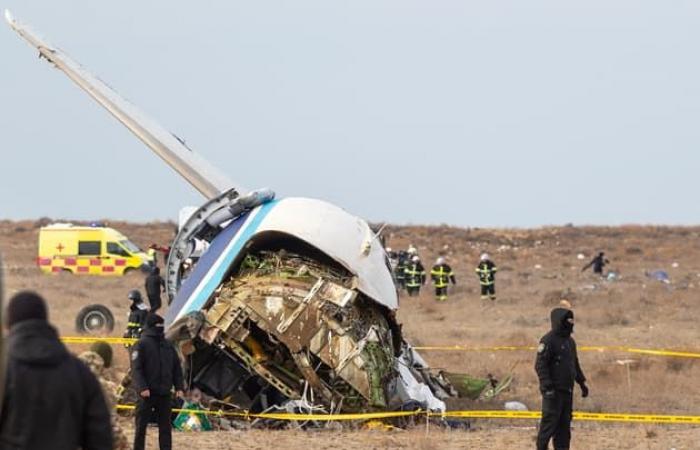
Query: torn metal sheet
[293, 301]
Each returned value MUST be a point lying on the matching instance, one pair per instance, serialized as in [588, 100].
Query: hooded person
[558, 368]
[156, 370]
[51, 400]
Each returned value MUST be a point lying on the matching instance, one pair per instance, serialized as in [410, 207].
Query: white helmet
[388, 249]
[412, 250]
[416, 258]
[484, 256]
[440, 261]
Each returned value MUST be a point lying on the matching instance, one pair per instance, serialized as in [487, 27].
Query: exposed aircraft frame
[294, 296]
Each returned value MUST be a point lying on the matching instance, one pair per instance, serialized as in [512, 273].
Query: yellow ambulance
[89, 250]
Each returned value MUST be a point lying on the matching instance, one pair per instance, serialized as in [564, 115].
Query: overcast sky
[472, 113]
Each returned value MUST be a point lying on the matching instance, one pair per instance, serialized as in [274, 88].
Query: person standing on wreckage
[558, 368]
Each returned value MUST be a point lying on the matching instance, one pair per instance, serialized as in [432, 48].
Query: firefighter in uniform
[415, 276]
[137, 315]
[557, 368]
[402, 261]
[155, 367]
[486, 270]
[442, 275]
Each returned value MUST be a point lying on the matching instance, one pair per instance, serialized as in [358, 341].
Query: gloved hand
[584, 390]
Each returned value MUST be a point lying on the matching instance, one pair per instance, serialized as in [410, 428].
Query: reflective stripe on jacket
[486, 270]
[442, 275]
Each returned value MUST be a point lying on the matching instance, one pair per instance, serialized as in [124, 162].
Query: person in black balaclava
[156, 370]
[557, 368]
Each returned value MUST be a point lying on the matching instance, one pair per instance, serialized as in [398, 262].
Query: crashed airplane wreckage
[292, 305]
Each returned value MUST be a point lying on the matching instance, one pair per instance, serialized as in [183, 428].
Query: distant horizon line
[376, 222]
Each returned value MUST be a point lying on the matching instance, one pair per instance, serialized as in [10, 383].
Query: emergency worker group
[556, 363]
[411, 275]
[54, 400]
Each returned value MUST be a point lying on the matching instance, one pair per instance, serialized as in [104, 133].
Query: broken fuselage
[293, 302]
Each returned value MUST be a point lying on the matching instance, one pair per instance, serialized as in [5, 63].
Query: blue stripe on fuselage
[222, 252]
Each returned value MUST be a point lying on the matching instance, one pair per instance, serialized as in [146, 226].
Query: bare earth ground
[537, 269]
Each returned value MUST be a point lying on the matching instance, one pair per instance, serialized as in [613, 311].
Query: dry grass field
[538, 268]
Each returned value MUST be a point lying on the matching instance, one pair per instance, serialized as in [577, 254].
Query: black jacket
[52, 400]
[598, 263]
[442, 275]
[155, 364]
[136, 321]
[486, 270]
[154, 283]
[137, 315]
[415, 274]
[557, 364]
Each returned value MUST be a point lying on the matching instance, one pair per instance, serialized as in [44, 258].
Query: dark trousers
[488, 290]
[155, 302]
[441, 293]
[161, 405]
[556, 421]
[413, 290]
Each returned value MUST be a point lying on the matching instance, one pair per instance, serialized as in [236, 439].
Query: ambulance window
[89, 247]
[133, 248]
[115, 249]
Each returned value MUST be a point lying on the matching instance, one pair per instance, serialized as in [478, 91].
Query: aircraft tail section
[204, 177]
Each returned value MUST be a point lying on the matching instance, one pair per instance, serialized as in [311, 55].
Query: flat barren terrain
[537, 269]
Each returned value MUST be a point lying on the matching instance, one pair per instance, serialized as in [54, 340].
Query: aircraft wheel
[94, 319]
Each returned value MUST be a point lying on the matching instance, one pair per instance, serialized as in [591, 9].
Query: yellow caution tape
[589, 348]
[579, 415]
[494, 414]
[90, 340]
[291, 416]
[642, 351]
